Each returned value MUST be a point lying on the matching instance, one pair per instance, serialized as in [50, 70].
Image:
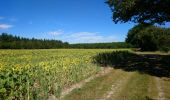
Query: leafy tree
[149, 37]
[133, 36]
[140, 11]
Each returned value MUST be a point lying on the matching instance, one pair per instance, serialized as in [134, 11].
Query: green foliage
[149, 37]
[132, 38]
[101, 45]
[164, 49]
[112, 58]
[140, 11]
[8, 41]
[166, 60]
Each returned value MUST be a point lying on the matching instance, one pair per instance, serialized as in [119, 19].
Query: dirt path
[65, 91]
[116, 84]
[102, 88]
[103, 71]
[160, 90]
[116, 87]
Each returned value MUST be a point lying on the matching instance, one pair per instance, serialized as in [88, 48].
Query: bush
[112, 58]
[165, 49]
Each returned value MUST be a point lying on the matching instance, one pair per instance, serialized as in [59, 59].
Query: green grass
[165, 83]
[156, 52]
[152, 90]
[135, 89]
[95, 89]
[91, 90]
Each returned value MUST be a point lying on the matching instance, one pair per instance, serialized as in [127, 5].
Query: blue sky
[74, 21]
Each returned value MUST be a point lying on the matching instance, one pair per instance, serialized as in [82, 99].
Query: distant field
[37, 74]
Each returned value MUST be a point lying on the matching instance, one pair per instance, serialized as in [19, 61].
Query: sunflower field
[35, 74]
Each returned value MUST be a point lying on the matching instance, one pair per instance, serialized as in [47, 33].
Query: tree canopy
[140, 11]
[149, 37]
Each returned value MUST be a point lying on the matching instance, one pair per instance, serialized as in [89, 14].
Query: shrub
[112, 58]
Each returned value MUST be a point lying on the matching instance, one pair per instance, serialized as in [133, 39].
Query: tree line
[101, 45]
[8, 41]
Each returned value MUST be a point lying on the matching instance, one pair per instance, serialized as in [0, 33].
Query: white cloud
[5, 26]
[89, 37]
[82, 37]
[56, 33]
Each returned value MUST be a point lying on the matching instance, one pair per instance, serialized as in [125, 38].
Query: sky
[73, 21]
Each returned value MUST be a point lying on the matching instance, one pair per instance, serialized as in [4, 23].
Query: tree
[140, 11]
[133, 36]
[149, 37]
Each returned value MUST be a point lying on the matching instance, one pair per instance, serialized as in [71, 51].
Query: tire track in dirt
[116, 87]
[160, 90]
[65, 91]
